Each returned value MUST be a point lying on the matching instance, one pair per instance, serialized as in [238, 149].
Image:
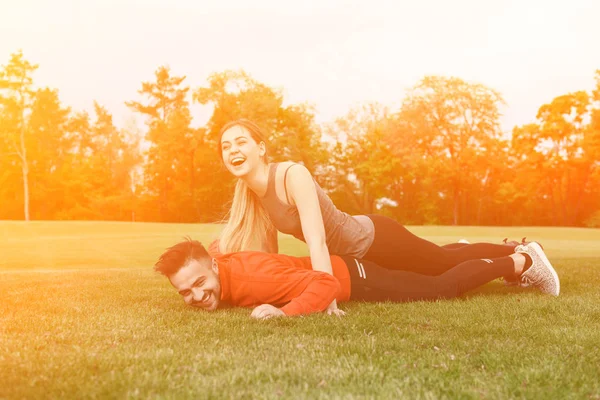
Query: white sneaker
[541, 273]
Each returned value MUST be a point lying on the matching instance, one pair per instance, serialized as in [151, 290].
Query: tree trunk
[482, 196]
[193, 184]
[456, 208]
[24, 165]
[456, 200]
[26, 188]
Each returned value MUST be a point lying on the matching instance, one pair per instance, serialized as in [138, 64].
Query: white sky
[332, 54]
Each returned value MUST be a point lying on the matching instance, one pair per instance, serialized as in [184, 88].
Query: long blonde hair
[248, 224]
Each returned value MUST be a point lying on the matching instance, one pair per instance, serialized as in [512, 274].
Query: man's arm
[320, 291]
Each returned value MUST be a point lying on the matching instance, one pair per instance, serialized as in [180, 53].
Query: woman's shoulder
[286, 166]
[291, 178]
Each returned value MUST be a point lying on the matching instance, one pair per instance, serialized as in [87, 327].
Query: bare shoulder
[298, 171]
[287, 164]
[297, 177]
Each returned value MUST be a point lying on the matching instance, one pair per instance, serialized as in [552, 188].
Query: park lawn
[82, 315]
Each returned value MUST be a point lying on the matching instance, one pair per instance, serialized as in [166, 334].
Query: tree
[415, 194]
[102, 158]
[47, 154]
[455, 125]
[168, 171]
[116, 153]
[11, 177]
[559, 155]
[364, 168]
[16, 95]
[592, 144]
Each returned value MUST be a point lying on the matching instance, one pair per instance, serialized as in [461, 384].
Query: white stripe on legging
[363, 270]
[359, 270]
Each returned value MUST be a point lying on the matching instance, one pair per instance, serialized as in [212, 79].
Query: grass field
[82, 315]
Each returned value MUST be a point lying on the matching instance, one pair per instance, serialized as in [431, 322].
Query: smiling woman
[248, 226]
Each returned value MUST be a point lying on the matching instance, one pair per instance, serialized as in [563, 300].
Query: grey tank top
[345, 235]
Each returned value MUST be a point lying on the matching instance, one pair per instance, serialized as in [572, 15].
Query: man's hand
[333, 309]
[266, 311]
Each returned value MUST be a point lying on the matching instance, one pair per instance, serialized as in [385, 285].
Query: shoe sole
[515, 284]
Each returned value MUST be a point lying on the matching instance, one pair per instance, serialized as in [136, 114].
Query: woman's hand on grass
[334, 310]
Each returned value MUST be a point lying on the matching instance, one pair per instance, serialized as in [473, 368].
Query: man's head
[193, 273]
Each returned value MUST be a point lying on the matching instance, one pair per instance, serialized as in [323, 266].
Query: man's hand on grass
[266, 311]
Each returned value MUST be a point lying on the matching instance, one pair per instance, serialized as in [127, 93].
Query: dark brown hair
[175, 257]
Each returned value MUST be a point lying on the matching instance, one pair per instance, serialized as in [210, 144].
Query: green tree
[455, 126]
[592, 144]
[47, 153]
[116, 151]
[102, 159]
[364, 169]
[16, 96]
[415, 194]
[558, 156]
[11, 197]
[169, 166]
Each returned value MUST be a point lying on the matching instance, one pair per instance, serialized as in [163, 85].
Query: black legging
[394, 247]
[370, 282]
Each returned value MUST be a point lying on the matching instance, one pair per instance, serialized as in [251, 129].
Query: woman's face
[241, 154]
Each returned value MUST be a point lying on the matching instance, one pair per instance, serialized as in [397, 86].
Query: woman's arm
[303, 194]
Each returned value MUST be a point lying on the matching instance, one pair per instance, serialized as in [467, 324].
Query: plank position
[280, 285]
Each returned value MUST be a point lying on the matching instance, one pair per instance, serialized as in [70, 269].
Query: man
[280, 285]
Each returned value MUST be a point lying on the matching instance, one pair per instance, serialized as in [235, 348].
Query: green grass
[82, 315]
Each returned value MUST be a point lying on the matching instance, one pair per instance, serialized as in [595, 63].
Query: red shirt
[253, 278]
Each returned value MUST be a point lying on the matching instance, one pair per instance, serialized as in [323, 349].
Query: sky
[332, 54]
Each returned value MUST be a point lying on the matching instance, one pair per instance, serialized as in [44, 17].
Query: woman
[284, 196]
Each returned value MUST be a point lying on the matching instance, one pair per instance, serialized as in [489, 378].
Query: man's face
[198, 283]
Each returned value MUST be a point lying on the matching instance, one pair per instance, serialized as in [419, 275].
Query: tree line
[440, 158]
